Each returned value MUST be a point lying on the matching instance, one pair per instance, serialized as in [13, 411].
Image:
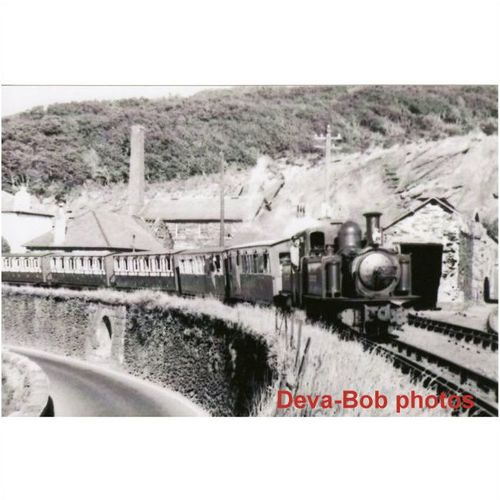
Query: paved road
[81, 389]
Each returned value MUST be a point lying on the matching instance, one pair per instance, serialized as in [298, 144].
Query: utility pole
[325, 141]
[221, 194]
[328, 158]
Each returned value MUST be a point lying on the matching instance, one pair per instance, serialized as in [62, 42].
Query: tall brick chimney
[136, 173]
[60, 226]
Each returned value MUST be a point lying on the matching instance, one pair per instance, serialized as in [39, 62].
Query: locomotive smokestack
[373, 229]
[136, 173]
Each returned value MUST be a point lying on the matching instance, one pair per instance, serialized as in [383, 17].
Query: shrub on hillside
[185, 136]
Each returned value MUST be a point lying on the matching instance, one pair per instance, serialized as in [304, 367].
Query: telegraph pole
[325, 141]
[221, 194]
[328, 158]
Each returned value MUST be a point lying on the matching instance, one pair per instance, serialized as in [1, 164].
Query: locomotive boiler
[336, 272]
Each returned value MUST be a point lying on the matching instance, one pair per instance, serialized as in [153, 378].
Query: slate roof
[199, 209]
[100, 230]
[445, 204]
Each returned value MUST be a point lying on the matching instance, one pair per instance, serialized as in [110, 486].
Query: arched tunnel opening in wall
[104, 336]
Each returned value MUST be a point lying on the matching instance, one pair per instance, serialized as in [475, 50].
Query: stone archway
[103, 335]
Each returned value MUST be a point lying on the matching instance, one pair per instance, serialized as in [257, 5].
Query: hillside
[391, 180]
[59, 149]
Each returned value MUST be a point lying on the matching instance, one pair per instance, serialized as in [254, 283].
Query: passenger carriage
[79, 269]
[254, 270]
[24, 268]
[145, 270]
[201, 272]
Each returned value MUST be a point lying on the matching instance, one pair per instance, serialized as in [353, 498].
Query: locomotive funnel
[373, 229]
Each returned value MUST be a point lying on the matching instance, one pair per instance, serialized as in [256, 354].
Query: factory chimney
[136, 173]
[60, 226]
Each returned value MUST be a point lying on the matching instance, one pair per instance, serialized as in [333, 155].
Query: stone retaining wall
[219, 365]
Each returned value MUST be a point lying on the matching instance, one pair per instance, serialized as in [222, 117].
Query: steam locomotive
[330, 271]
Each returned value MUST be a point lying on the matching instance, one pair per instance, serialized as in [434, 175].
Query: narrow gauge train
[328, 270]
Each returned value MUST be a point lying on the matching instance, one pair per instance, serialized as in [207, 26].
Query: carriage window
[256, 263]
[237, 258]
[266, 263]
[317, 239]
[260, 264]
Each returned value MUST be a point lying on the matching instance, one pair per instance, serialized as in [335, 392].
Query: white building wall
[19, 228]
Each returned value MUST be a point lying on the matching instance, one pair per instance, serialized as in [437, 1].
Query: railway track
[436, 372]
[487, 340]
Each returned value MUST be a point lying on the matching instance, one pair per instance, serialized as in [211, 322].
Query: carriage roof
[266, 243]
[43, 254]
[145, 253]
[201, 251]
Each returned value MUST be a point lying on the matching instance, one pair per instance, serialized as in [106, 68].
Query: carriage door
[227, 275]
[296, 255]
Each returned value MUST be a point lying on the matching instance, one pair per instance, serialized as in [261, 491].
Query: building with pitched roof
[451, 255]
[97, 231]
[195, 221]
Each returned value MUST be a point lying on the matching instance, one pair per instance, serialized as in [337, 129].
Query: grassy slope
[62, 147]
